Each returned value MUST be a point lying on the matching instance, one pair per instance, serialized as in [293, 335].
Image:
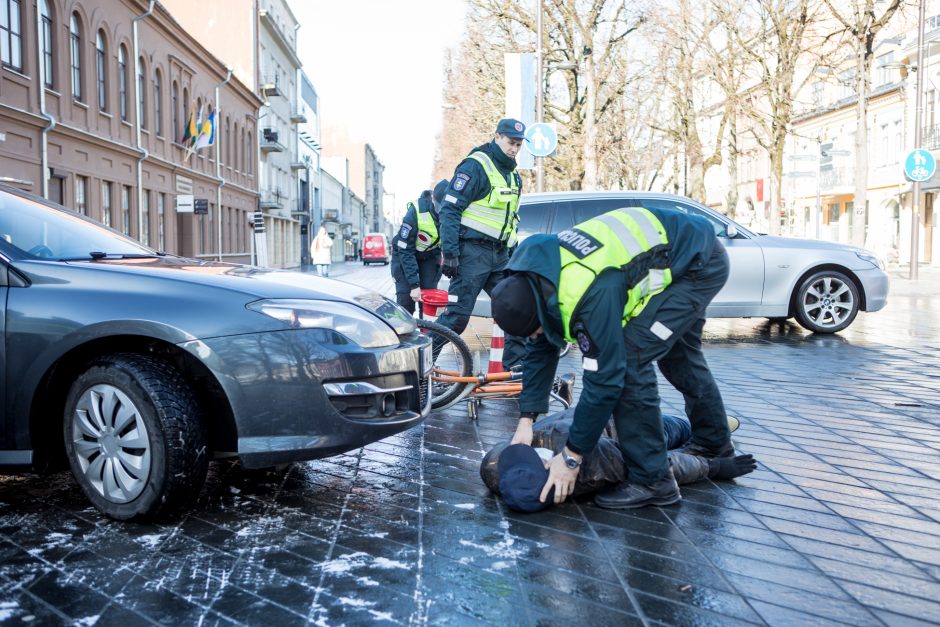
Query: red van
[375, 249]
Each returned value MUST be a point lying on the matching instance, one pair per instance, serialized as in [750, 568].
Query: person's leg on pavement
[513, 346]
[677, 431]
[402, 290]
[466, 286]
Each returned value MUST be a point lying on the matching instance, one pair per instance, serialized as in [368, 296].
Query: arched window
[235, 147]
[176, 112]
[101, 67]
[157, 103]
[122, 81]
[75, 45]
[227, 141]
[48, 65]
[141, 93]
[248, 156]
[11, 34]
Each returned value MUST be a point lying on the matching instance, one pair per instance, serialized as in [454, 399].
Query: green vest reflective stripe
[427, 237]
[611, 240]
[496, 215]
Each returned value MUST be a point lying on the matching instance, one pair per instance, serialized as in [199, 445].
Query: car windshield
[39, 231]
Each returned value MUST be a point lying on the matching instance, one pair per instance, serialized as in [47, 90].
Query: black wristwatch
[570, 462]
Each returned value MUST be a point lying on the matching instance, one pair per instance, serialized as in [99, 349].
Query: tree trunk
[732, 197]
[590, 124]
[857, 219]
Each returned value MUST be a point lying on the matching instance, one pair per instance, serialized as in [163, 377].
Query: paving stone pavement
[840, 524]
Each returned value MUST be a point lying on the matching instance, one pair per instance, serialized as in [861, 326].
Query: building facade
[308, 166]
[94, 99]
[258, 40]
[365, 174]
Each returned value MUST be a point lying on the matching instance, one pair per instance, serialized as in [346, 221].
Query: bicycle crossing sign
[919, 165]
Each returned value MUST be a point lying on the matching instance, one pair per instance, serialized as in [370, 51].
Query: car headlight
[346, 319]
[870, 258]
[388, 310]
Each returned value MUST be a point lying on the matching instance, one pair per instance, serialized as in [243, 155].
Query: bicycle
[452, 378]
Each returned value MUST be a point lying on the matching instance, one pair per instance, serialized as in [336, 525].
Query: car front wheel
[134, 437]
[826, 302]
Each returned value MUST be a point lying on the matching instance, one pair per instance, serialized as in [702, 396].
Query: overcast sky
[378, 69]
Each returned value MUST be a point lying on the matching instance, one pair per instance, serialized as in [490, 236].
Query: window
[847, 83]
[145, 218]
[106, 203]
[834, 213]
[161, 221]
[883, 75]
[176, 112]
[122, 81]
[157, 105]
[225, 140]
[101, 65]
[48, 66]
[236, 146]
[126, 209]
[11, 34]
[75, 43]
[81, 195]
[818, 92]
[248, 156]
[141, 94]
[533, 218]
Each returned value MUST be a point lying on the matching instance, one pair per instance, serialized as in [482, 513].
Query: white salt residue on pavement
[149, 541]
[53, 540]
[355, 602]
[503, 549]
[88, 620]
[260, 525]
[466, 506]
[500, 565]
[382, 562]
[8, 609]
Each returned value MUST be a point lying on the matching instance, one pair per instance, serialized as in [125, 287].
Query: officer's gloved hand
[451, 267]
[416, 294]
[724, 468]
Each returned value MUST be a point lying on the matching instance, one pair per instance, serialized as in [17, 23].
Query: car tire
[826, 302]
[134, 437]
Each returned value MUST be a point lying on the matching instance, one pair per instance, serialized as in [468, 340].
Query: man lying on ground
[519, 473]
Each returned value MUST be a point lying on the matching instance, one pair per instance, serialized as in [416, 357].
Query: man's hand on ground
[724, 468]
[561, 478]
[450, 267]
[523, 432]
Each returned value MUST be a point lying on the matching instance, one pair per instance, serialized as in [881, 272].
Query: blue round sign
[541, 139]
[919, 165]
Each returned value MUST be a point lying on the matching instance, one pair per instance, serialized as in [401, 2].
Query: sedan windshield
[36, 230]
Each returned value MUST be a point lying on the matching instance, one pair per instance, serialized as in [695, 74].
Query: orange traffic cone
[496, 350]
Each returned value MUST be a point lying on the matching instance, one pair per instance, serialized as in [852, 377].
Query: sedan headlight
[389, 311]
[361, 327]
[870, 258]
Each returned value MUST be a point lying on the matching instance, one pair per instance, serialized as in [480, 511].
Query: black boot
[631, 495]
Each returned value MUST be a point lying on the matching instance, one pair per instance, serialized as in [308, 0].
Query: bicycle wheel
[451, 355]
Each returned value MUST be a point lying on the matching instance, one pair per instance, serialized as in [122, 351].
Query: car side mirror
[731, 231]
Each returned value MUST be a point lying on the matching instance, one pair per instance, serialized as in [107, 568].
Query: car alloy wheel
[827, 302]
[111, 443]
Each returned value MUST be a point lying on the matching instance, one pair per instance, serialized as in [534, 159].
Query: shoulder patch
[585, 344]
[460, 181]
[578, 243]
[405, 230]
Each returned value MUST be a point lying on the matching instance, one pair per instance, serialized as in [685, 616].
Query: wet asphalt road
[839, 525]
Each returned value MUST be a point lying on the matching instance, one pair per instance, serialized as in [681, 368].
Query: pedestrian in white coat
[320, 251]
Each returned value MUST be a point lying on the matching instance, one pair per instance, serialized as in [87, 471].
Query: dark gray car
[139, 367]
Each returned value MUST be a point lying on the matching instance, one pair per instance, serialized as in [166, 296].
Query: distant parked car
[375, 249]
[822, 284]
[137, 366]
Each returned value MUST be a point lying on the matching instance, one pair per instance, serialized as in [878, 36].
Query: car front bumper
[301, 394]
[875, 283]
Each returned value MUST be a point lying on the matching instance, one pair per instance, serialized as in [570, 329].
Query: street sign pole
[539, 100]
[918, 112]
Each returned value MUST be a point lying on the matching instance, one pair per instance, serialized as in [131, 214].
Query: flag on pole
[206, 133]
[191, 129]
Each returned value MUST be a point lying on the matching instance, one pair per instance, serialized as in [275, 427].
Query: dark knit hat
[514, 307]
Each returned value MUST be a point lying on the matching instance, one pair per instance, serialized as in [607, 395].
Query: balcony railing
[931, 137]
[271, 86]
[269, 141]
[836, 178]
[298, 115]
[272, 198]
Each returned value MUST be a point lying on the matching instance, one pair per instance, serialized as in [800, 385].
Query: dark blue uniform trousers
[482, 265]
[669, 330]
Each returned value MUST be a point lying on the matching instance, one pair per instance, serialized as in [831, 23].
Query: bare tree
[862, 24]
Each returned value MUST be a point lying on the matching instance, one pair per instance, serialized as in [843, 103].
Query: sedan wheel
[827, 302]
[134, 436]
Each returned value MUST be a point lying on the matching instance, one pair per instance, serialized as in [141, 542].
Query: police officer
[630, 287]
[479, 216]
[416, 248]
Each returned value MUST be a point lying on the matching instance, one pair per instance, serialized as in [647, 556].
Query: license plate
[427, 362]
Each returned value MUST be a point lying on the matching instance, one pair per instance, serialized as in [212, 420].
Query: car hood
[773, 241]
[249, 280]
